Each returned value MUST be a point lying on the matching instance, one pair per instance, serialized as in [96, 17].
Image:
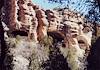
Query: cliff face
[36, 37]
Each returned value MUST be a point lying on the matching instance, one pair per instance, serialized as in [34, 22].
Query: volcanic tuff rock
[30, 29]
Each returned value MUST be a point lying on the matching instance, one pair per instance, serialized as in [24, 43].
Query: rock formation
[30, 32]
[43, 23]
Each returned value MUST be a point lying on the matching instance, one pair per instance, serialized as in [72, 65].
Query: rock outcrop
[31, 31]
[43, 23]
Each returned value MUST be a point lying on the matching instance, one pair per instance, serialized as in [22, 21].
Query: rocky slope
[38, 39]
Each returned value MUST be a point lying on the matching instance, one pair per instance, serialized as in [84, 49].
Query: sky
[45, 4]
[76, 5]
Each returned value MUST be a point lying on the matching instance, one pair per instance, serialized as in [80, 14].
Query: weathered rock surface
[32, 34]
[42, 23]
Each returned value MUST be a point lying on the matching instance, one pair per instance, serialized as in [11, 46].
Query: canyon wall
[37, 39]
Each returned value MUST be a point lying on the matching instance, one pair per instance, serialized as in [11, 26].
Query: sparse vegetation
[40, 54]
[46, 41]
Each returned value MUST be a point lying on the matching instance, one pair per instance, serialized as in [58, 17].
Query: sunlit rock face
[28, 27]
[21, 16]
[73, 24]
[42, 23]
[77, 42]
[52, 17]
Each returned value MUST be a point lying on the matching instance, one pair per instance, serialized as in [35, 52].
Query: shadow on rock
[94, 56]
